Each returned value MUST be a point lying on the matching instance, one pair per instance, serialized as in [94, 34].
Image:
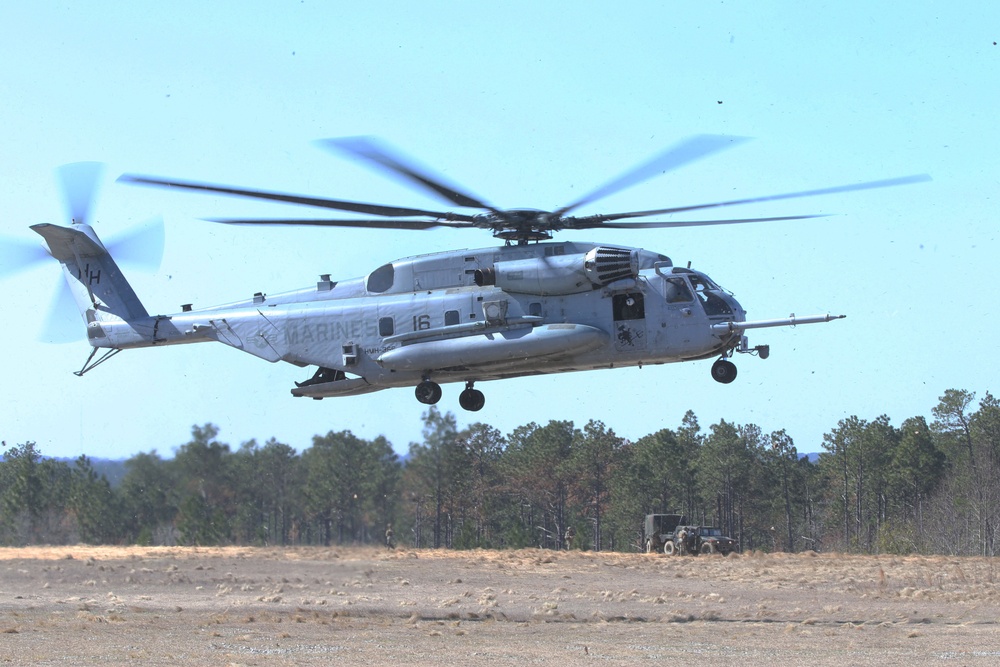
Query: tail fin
[97, 283]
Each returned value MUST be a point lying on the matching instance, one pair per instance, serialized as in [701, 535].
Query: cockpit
[682, 286]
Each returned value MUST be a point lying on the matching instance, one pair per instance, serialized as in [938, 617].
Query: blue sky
[526, 104]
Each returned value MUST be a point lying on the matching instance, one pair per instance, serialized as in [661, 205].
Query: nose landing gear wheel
[724, 371]
[428, 392]
[471, 399]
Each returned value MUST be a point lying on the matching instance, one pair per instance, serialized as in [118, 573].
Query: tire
[428, 392]
[649, 546]
[707, 549]
[669, 549]
[472, 400]
[724, 371]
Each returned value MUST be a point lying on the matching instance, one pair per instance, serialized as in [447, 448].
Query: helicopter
[526, 307]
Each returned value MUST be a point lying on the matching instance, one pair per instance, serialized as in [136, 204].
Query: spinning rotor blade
[79, 186]
[62, 322]
[141, 246]
[886, 183]
[17, 255]
[687, 223]
[369, 149]
[683, 153]
[356, 207]
[371, 224]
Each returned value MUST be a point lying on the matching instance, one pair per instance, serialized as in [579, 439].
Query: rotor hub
[522, 225]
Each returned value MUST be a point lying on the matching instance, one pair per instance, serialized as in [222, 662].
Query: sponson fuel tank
[494, 348]
[562, 274]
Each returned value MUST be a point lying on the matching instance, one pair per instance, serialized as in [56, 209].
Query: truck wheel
[649, 546]
[708, 548]
[668, 548]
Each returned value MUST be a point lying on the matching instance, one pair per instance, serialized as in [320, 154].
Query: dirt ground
[267, 606]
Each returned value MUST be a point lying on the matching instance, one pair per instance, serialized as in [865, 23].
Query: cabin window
[451, 317]
[380, 280]
[386, 327]
[535, 308]
[628, 306]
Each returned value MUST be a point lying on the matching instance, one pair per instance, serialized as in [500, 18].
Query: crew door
[629, 310]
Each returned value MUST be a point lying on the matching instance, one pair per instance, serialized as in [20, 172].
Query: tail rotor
[139, 247]
[80, 182]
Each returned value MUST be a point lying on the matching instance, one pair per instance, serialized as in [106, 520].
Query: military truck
[658, 531]
[712, 541]
[671, 534]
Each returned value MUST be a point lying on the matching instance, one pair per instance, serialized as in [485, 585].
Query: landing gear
[724, 371]
[428, 392]
[471, 399]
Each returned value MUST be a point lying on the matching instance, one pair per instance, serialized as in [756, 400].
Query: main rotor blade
[373, 224]
[79, 183]
[687, 151]
[356, 207]
[683, 223]
[367, 148]
[869, 185]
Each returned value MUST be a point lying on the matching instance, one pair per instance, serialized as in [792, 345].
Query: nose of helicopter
[739, 314]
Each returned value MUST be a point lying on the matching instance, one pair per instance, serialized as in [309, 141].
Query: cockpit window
[677, 291]
[702, 283]
[710, 296]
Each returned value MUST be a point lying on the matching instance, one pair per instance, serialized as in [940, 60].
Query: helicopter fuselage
[470, 315]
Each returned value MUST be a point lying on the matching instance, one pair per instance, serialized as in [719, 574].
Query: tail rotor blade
[79, 187]
[17, 255]
[141, 246]
[62, 322]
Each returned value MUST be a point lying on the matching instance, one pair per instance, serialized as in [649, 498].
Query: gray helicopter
[530, 306]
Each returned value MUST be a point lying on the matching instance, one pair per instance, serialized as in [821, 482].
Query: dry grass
[241, 605]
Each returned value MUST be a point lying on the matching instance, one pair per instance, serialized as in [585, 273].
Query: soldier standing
[390, 542]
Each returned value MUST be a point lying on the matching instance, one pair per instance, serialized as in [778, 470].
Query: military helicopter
[529, 306]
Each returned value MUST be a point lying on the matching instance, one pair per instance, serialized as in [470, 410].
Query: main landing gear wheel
[428, 392]
[724, 371]
[471, 399]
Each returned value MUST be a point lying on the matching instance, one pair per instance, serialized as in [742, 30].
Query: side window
[381, 279]
[677, 291]
[628, 306]
[385, 327]
[451, 317]
[535, 308]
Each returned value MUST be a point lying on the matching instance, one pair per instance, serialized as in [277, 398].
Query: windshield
[710, 296]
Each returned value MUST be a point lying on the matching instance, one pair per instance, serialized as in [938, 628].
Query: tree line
[876, 488]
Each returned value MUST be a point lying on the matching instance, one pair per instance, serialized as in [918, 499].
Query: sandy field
[266, 606]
